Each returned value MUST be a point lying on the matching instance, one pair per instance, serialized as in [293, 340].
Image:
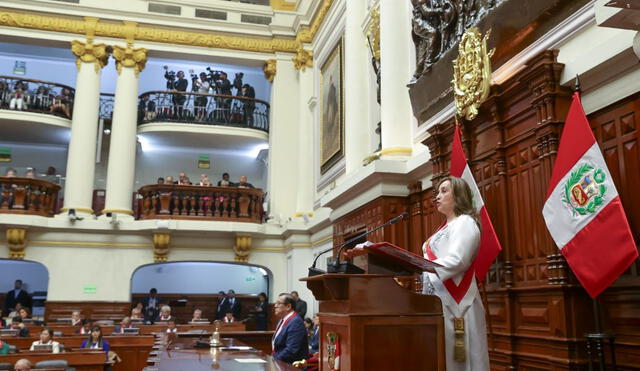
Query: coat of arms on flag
[585, 189]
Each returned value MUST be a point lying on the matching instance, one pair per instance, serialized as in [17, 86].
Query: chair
[53, 363]
[13, 349]
[6, 366]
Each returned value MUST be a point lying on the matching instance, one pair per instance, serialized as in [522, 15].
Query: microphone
[346, 267]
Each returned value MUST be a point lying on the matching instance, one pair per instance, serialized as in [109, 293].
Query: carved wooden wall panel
[538, 312]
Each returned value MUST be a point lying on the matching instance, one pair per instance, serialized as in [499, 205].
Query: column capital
[130, 57]
[90, 53]
[303, 58]
[270, 69]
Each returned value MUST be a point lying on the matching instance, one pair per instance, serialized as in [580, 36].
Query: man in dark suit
[151, 306]
[17, 295]
[231, 304]
[290, 338]
[301, 305]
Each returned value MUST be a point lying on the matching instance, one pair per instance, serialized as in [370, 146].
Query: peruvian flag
[489, 243]
[583, 211]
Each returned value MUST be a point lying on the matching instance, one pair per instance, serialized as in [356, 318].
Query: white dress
[455, 247]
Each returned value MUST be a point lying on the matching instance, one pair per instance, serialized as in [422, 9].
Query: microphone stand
[346, 267]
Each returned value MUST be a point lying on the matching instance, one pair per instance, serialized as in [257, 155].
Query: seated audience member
[4, 347]
[42, 98]
[261, 309]
[18, 294]
[146, 108]
[183, 179]
[204, 180]
[165, 313]
[30, 173]
[16, 311]
[171, 327]
[17, 324]
[125, 323]
[10, 173]
[95, 341]
[314, 344]
[160, 180]
[85, 327]
[62, 102]
[224, 182]
[308, 324]
[290, 338]
[24, 313]
[76, 319]
[197, 316]
[46, 338]
[243, 182]
[229, 318]
[168, 179]
[22, 365]
[18, 99]
[136, 313]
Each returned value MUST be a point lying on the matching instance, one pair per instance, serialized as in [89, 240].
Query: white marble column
[283, 139]
[122, 149]
[307, 103]
[396, 56]
[357, 63]
[81, 158]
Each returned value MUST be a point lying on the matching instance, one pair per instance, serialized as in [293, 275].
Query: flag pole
[597, 338]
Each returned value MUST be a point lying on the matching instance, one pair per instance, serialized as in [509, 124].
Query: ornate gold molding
[98, 54]
[161, 243]
[141, 33]
[17, 241]
[472, 73]
[303, 59]
[130, 57]
[307, 34]
[373, 32]
[283, 5]
[242, 248]
[269, 69]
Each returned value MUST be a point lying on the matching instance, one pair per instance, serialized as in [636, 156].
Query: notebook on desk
[131, 331]
[44, 348]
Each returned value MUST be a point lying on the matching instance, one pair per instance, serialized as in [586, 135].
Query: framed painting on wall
[331, 110]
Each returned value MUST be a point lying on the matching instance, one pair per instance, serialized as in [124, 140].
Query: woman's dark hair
[90, 339]
[262, 294]
[26, 309]
[49, 331]
[308, 321]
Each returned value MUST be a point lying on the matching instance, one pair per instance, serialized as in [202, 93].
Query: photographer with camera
[179, 85]
[249, 105]
[200, 85]
[222, 86]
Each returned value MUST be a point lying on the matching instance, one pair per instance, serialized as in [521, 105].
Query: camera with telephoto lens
[213, 75]
[170, 76]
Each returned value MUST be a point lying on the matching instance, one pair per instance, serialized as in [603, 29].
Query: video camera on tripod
[170, 76]
[213, 75]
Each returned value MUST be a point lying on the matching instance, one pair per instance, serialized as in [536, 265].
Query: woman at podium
[454, 246]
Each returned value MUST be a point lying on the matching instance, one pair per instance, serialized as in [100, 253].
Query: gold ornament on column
[269, 69]
[130, 57]
[303, 59]
[373, 32]
[17, 241]
[90, 53]
[161, 243]
[472, 73]
[242, 248]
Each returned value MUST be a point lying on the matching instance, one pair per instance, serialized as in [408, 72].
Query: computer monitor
[131, 331]
[44, 348]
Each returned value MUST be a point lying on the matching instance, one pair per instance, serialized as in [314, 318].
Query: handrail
[203, 108]
[36, 96]
[169, 201]
[28, 196]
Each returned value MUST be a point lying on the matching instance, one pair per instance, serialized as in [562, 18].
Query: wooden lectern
[373, 323]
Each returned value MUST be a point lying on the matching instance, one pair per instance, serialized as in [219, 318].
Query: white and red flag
[489, 243]
[583, 211]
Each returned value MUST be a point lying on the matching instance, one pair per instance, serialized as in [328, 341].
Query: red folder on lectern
[386, 258]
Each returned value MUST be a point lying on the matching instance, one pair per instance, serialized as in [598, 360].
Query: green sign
[89, 289]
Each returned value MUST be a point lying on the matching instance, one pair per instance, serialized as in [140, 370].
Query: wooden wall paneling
[96, 310]
[415, 233]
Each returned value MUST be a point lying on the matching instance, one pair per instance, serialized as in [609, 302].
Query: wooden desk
[85, 360]
[260, 340]
[184, 356]
[144, 329]
[132, 349]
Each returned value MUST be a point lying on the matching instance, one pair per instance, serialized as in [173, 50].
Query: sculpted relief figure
[438, 25]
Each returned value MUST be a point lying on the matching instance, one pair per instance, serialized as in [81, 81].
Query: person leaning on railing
[146, 109]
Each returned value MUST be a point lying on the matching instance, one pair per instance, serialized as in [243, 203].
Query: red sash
[280, 326]
[457, 292]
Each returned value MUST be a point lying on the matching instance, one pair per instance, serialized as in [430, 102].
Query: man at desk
[289, 341]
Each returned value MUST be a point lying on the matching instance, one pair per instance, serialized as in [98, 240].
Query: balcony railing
[201, 108]
[166, 201]
[28, 196]
[36, 96]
